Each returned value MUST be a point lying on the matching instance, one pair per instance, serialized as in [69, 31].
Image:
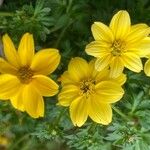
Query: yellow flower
[89, 92]
[24, 75]
[3, 141]
[119, 45]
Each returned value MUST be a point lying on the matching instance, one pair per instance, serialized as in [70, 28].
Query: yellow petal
[102, 62]
[100, 112]
[109, 92]
[33, 102]
[144, 47]
[10, 51]
[120, 24]
[102, 32]
[116, 67]
[132, 62]
[78, 69]
[137, 33]
[9, 86]
[5, 67]
[66, 78]
[79, 111]
[44, 85]
[147, 67]
[98, 48]
[98, 75]
[26, 49]
[121, 79]
[45, 61]
[17, 99]
[68, 94]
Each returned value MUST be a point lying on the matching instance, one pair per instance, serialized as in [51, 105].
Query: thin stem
[92, 127]
[69, 23]
[6, 14]
[69, 6]
[60, 116]
[62, 34]
[19, 141]
[120, 113]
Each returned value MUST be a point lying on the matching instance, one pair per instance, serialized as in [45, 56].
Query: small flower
[4, 141]
[119, 45]
[24, 75]
[88, 92]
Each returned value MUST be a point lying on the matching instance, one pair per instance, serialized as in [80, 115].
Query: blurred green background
[66, 25]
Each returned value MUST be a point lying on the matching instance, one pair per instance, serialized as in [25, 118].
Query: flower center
[118, 47]
[25, 74]
[87, 87]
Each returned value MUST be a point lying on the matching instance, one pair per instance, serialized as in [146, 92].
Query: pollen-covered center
[25, 74]
[87, 87]
[118, 47]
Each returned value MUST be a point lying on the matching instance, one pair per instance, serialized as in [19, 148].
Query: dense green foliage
[65, 24]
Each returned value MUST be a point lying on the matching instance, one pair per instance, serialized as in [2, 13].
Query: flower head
[119, 45]
[24, 75]
[89, 92]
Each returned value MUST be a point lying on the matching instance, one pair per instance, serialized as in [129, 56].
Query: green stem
[60, 116]
[92, 127]
[69, 23]
[6, 14]
[19, 141]
[120, 113]
[62, 34]
[136, 102]
[69, 6]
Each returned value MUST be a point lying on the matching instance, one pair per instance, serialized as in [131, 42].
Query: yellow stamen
[118, 48]
[25, 74]
[87, 87]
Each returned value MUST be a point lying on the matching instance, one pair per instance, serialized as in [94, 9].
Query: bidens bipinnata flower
[24, 75]
[119, 45]
[89, 92]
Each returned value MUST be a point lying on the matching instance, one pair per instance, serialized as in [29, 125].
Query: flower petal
[121, 79]
[68, 94]
[5, 67]
[66, 78]
[116, 67]
[120, 24]
[9, 86]
[144, 47]
[100, 112]
[109, 92]
[137, 33]
[26, 49]
[10, 51]
[78, 69]
[102, 32]
[132, 62]
[17, 99]
[33, 102]
[79, 111]
[102, 62]
[45, 61]
[98, 48]
[44, 85]
[98, 75]
[147, 67]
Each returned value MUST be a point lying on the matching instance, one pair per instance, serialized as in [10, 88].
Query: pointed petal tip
[5, 35]
[123, 11]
